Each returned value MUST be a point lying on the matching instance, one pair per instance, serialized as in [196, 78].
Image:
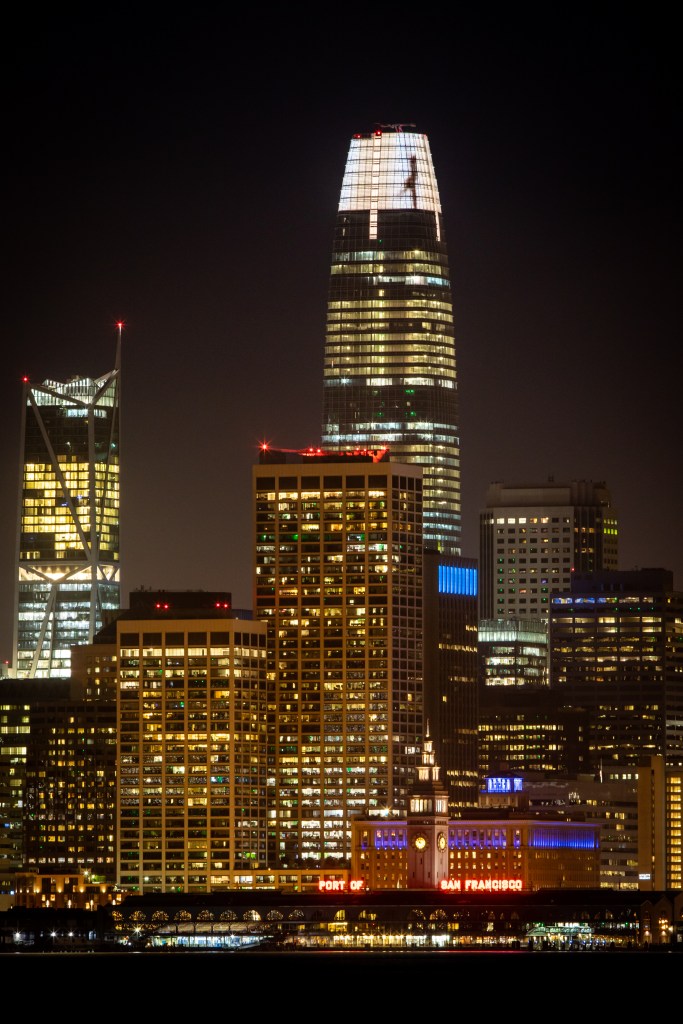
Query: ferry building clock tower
[427, 825]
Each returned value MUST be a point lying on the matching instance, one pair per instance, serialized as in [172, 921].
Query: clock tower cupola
[428, 862]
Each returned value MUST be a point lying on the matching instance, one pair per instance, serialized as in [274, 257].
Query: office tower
[616, 643]
[68, 519]
[70, 793]
[534, 537]
[390, 363]
[527, 729]
[15, 716]
[513, 652]
[338, 580]
[94, 667]
[450, 671]
[192, 775]
[57, 778]
[660, 824]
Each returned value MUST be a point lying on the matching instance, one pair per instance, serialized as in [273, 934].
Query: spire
[429, 771]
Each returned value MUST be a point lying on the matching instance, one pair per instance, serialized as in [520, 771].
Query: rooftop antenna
[119, 329]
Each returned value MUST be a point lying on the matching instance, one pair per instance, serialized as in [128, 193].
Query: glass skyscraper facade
[390, 362]
[68, 572]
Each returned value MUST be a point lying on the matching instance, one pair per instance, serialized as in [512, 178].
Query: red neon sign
[338, 885]
[481, 885]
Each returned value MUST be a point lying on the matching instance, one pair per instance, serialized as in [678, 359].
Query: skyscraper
[68, 573]
[390, 380]
[57, 777]
[450, 671]
[192, 723]
[660, 824]
[390, 363]
[338, 580]
[616, 643]
[534, 537]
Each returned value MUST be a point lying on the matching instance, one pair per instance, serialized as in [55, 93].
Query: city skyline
[194, 199]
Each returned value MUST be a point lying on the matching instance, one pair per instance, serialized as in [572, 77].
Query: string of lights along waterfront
[390, 358]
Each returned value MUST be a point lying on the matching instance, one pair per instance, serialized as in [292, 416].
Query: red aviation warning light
[377, 455]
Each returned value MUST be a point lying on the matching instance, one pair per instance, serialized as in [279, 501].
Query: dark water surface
[321, 959]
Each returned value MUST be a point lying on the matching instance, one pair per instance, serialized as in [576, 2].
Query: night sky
[182, 175]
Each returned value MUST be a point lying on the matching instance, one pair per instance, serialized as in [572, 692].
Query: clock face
[441, 841]
[420, 842]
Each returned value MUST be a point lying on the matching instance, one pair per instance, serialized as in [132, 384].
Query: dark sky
[183, 176]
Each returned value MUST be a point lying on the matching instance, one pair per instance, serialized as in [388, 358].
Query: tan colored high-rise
[192, 710]
[338, 580]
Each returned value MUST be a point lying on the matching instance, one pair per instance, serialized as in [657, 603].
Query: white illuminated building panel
[389, 171]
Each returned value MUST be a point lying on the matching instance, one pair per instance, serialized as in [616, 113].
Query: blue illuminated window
[455, 579]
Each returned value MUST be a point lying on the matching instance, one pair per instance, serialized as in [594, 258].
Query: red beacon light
[162, 606]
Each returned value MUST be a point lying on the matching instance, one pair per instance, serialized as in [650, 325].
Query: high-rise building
[390, 381]
[616, 643]
[338, 580]
[450, 671]
[70, 793]
[660, 818]
[513, 652]
[529, 728]
[68, 573]
[192, 714]
[390, 361]
[57, 778]
[534, 537]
